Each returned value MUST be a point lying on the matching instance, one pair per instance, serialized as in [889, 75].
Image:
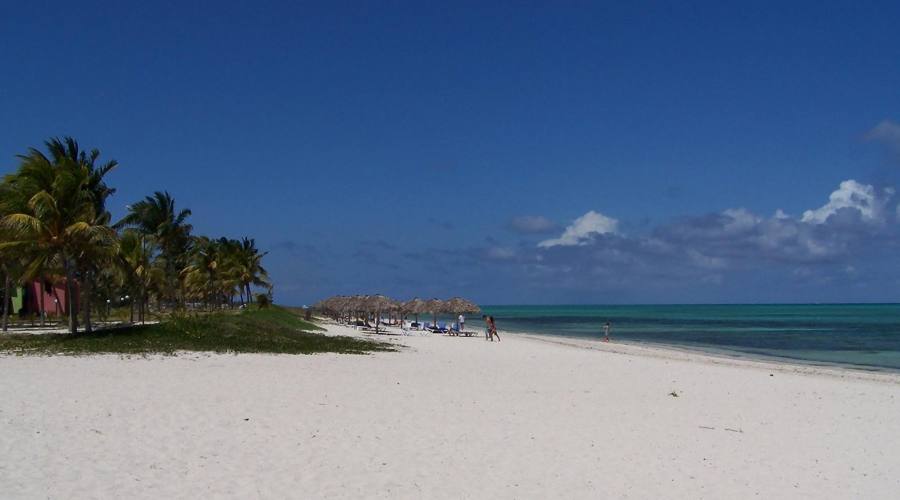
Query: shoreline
[689, 354]
[672, 353]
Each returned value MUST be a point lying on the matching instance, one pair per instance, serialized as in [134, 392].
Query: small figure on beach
[487, 327]
[462, 323]
[606, 328]
[492, 329]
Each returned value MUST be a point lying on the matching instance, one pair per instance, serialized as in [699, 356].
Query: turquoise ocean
[860, 335]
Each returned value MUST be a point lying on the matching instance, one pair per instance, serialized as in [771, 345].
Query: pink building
[51, 298]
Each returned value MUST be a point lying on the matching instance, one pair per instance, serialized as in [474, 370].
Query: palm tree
[59, 225]
[90, 259]
[229, 269]
[201, 275]
[156, 216]
[140, 274]
[249, 265]
[5, 258]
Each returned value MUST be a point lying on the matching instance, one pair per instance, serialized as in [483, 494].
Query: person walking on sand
[492, 329]
[606, 328]
[461, 323]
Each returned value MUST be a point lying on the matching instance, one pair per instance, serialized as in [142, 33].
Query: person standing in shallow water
[606, 328]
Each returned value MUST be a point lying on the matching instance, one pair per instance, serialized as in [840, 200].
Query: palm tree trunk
[43, 309]
[86, 284]
[7, 287]
[70, 293]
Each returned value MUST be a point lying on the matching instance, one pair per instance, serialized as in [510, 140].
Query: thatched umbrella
[332, 306]
[357, 305]
[415, 306]
[377, 304]
[395, 310]
[459, 305]
[434, 306]
[346, 304]
[342, 305]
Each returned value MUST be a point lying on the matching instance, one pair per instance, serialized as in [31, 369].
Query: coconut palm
[91, 259]
[231, 269]
[249, 267]
[208, 277]
[140, 274]
[157, 216]
[59, 225]
[6, 258]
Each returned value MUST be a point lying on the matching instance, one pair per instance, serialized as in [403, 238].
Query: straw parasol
[415, 306]
[333, 306]
[459, 305]
[377, 304]
[434, 306]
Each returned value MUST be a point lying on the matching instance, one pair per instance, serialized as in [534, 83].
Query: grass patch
[272, 330]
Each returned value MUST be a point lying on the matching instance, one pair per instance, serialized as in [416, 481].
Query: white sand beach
[445, 417]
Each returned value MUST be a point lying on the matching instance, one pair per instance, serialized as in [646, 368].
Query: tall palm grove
[55, 230]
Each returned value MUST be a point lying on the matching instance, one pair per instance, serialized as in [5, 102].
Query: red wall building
[50, 298]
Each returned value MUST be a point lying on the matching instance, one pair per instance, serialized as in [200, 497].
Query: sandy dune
[445, 418]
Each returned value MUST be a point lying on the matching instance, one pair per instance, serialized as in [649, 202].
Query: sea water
[860, 335]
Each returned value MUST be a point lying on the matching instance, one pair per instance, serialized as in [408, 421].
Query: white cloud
[741, 219]
[853, 195]
[580, 231]
[532, 224]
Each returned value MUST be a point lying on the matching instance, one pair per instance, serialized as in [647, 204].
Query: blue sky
[411, 149]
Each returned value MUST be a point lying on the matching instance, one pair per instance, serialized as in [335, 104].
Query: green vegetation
[55, 230]
[269, 330]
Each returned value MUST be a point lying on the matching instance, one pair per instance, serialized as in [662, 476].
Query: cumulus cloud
[851, 195]
[532, 224]
[583, 229]
[735, 244]
[734, 254]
